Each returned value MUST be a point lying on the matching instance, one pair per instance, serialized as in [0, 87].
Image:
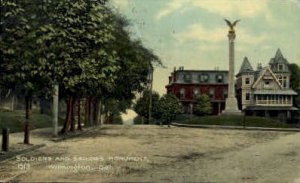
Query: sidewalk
[38, 139]
[237, 127]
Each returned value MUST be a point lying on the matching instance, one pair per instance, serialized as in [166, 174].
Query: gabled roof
[262, 73]
[246, 66]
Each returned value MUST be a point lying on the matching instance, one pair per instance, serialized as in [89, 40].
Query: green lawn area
[15, 120]
[252, 121]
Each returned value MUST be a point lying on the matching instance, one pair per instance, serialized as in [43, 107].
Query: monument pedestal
[231, 107]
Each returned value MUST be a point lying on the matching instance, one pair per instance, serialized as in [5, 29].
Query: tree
[82, 45]
[75, 41]
[138, 120]
[142, 104]
[168, 107]
[19, 66]
[203, 106]
[295, 82]
[133, 58]
[295, 76]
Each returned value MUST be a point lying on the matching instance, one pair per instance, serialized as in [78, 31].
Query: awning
[275, 92]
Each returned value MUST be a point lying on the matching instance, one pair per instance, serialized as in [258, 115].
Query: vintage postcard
[150, 91]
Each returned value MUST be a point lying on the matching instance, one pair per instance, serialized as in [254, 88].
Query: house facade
[265, 91]
[188, 84]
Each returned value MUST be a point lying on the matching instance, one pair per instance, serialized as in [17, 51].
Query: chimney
[259, 66]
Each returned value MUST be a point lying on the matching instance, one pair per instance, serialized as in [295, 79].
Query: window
[211, 93]
[219, 78]
[195, 93]
[204, 78]
[247, 96]
[280, 67]
[267, 84]
[259, 97]
[182, 93]
[187, 77]
[247, 81]
[284, 82]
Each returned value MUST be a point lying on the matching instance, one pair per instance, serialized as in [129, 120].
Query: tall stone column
[231, 106]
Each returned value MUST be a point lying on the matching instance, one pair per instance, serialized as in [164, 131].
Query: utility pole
[150, 95]
[55, 110]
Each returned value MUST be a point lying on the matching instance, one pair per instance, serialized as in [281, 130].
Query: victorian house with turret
[266, 91]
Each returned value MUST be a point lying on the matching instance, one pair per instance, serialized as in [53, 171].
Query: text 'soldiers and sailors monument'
[231, 106]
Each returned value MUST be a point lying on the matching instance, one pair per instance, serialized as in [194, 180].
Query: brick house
[188, 84]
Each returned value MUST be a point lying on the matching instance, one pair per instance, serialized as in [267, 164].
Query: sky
[193, 34]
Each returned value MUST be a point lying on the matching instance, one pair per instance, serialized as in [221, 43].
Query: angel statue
[231, 25]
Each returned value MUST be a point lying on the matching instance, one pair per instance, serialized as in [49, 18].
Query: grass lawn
[252, 121]
[15, 120]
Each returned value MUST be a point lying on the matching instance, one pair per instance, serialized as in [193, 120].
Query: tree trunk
[110, 118]
[100, 112]
[90, 111]
[42, 106]
[30, 104]
[12, 102]
[0, 98]
[86, 116]
[16, 102]
[72, 129]
[104, 117]
[95, 111]
[68, 116]
[27, 118]
[79, 116]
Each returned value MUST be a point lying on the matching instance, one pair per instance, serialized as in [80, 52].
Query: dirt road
[161, 154]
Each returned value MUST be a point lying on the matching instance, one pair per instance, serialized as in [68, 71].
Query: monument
[231, 106]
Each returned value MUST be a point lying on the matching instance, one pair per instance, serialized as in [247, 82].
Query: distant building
[188, 84]
[266, 91]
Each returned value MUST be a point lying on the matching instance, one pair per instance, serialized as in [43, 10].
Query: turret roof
[278, 58]
[246, 66]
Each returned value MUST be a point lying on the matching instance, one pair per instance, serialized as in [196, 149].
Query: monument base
[231, 107]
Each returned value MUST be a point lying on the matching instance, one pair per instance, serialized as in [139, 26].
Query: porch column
[288, 115]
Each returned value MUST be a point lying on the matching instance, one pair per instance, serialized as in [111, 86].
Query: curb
[71, 135]
[236, 127]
